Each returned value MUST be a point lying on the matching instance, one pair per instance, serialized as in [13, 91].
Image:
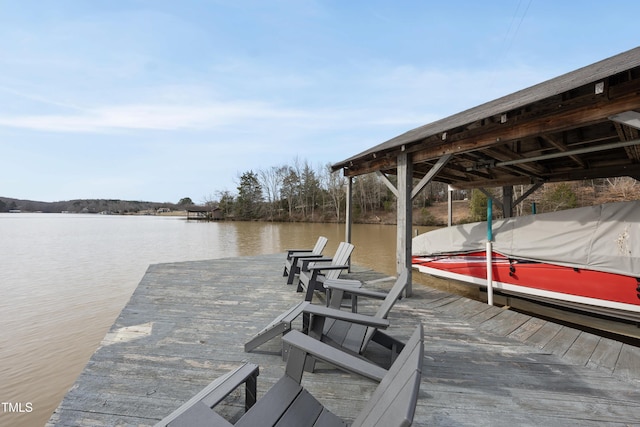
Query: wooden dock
[186, 324]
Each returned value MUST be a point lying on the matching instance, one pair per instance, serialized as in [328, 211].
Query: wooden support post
[406, 193]
[449, 205]
[349, 214]
[405, 217]
[507, 201]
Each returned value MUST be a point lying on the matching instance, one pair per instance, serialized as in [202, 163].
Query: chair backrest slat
[387, 304]
[341, 258]
[393, 403]
[320, 244]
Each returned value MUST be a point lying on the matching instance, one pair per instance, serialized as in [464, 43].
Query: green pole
[489, 252]
[489, 218]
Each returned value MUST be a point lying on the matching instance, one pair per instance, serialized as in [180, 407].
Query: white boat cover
[602, 238]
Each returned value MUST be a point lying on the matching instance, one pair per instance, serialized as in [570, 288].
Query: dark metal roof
[558, 130]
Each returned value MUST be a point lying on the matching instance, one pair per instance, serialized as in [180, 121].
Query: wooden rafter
[552, 140]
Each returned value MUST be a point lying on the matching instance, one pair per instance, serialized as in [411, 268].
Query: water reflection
[65, 279]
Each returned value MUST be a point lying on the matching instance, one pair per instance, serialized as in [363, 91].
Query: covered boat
[586, 258]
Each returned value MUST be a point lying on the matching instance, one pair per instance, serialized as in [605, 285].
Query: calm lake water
[65, 278]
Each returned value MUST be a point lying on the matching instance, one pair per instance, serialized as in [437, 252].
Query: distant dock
[187, 322]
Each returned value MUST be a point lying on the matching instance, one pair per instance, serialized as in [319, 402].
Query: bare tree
[335, 187]
[622, 188]
[226, 203]
[309, 189]
[271, 181]
[289, 190]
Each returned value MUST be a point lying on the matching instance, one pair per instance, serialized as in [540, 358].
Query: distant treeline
[83, 206]
[300, 192]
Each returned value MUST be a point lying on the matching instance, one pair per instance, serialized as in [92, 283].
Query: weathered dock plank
[546, 333]
[606, 354]
[562, 341]
[505, 322]
[524, 331]
[628, 365]
[186, 324]
[582, 349]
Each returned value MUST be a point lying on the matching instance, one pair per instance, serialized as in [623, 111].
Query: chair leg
[314, 328]
[309, 295]
[250, 391]
[291, 274]
[306, 323]
[310, 364]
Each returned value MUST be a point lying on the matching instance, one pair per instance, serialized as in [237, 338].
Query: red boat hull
[548, 281]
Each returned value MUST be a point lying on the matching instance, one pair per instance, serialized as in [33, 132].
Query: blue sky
[157, 100]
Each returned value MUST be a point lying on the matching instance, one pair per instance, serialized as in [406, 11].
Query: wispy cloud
[38, 98]
[151, 117]
[210, 116]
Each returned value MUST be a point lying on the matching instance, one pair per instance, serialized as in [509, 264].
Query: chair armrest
[331, 355]
[346, 282]
[333, 313]
[290, 251]
[337, 303]
[321, 259]
[350, 289]
[327, 267]
[301, 255]
[307, 261]
[217, 390]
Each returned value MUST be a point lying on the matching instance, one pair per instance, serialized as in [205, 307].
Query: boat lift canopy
[581, 125]
[600, 238]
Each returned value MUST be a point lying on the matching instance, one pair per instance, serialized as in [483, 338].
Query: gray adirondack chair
[287, 403]
[314, 271]
[349, 330]
[353, 335]
[294, 256]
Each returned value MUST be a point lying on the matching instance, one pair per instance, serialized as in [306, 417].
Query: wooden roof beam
[565, 118]
[502, 154]
[457, 165]
[632, 170]
[498, 182]
[552, 140]
[559, 121]
[518, 170]
[450, 176]
[626, 133]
